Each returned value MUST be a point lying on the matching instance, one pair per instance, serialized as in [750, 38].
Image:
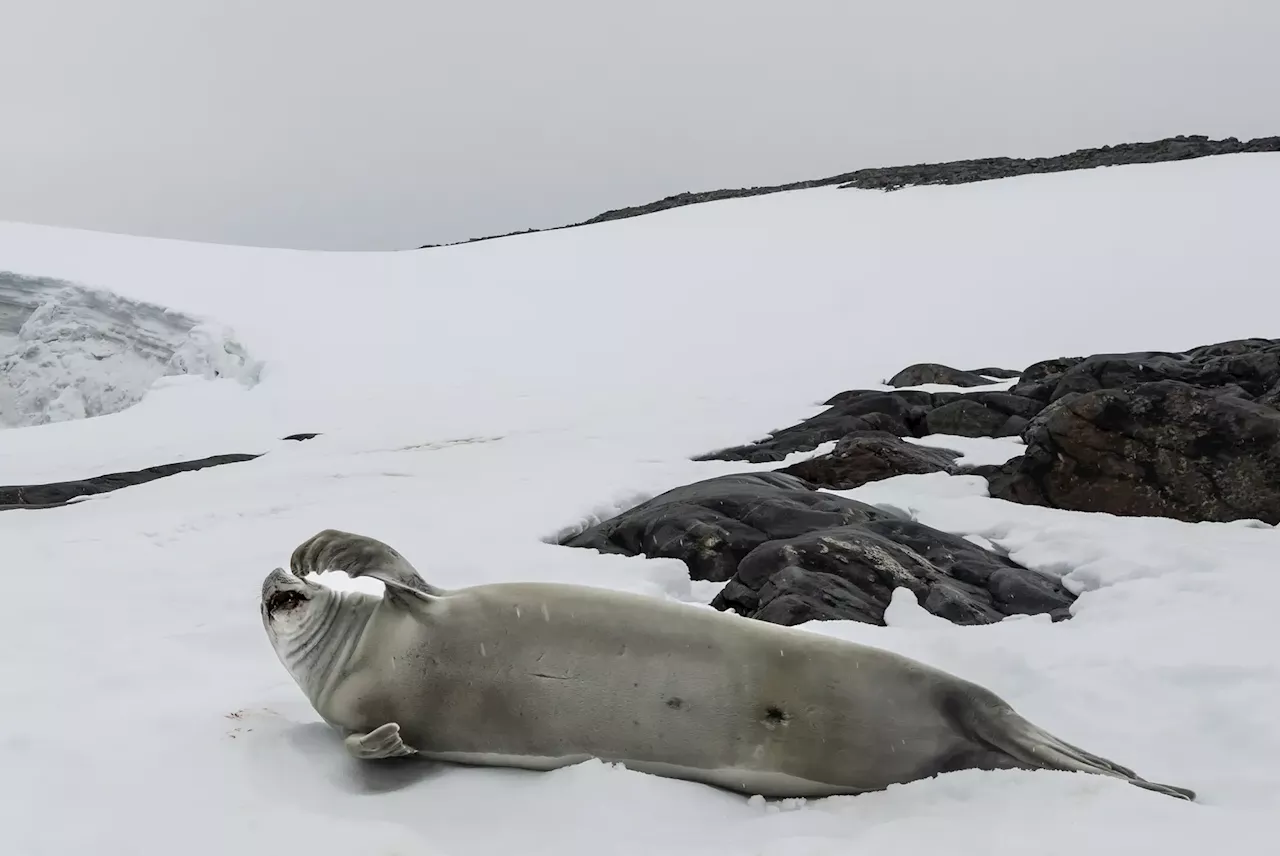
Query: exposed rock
[900, 413]
[711, 525]
[1271, 398]
[980, 414]
[59, 493]
[791, 554]
[1252, 365]
[922, 373]
[1165, 448]
[998, 373]
[951, 172]
[870, 456]
[850, 572]
[1039, 380]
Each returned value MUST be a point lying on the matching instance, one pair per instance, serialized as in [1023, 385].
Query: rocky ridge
[1181, 147]
[1191, 435]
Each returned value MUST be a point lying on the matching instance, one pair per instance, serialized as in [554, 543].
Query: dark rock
[898, 413]
[1039, 380]
[851, 571]
[922, 373]
[1252, 365]
[951, 172]
[1271, 398]
[870, 456]
[59, 493]
[305, 436]
[790, 554]
[998, 373]
[987, 471]
[711, 525]
[980, 414]
[1164, 449]
[902, 413]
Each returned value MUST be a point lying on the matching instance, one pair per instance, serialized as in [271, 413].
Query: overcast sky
[385, 124]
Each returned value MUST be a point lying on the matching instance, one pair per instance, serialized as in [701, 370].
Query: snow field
[474, 401]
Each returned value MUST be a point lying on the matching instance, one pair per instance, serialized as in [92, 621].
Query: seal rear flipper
[999, 726]
[360, 556]
[382, 742]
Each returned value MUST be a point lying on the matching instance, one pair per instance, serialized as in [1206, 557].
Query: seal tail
[1000, 727]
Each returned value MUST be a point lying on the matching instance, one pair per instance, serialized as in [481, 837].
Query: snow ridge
[72, 352]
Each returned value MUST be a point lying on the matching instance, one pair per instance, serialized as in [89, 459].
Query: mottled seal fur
[539, 676]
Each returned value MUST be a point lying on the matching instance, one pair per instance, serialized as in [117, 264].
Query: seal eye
[284, 600]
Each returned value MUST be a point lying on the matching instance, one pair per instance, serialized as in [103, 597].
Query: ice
[473, 401]
[73, 352]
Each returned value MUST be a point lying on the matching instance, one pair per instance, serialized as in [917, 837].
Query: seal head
[311, 627]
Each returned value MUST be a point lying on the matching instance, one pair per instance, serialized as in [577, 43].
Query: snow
[474, 401]
[974, 451]
[996, 385]
[71, 352]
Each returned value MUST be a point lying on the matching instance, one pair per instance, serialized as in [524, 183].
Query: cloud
[392, 123]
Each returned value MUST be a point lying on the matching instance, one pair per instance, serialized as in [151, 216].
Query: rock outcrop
[870, 456]
[902, 413]
[1166, 433]
[850, 572]
[922, 373]
[1252, 365]
[54, 494]
[950, 172]
[1191, 435]
[1164, 448]
[979, 414]
[60, 493]
[792, 554]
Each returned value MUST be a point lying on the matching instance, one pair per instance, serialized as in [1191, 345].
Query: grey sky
[386, 124]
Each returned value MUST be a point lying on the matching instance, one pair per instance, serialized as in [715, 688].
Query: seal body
[539, 675]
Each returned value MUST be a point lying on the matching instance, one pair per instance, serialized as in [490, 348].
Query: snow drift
[473, 400]
[70, 352]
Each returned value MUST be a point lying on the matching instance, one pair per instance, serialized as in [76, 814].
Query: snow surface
[476, 400]
[71, 352]
[974, 451]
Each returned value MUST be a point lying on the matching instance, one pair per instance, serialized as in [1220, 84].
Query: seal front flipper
[359, 556]
[382, 742]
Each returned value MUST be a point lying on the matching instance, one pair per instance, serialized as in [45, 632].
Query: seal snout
[282, 591]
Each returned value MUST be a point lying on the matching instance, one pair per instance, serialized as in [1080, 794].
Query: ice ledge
[68, 351]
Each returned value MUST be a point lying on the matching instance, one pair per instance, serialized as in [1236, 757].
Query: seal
[543, 675]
